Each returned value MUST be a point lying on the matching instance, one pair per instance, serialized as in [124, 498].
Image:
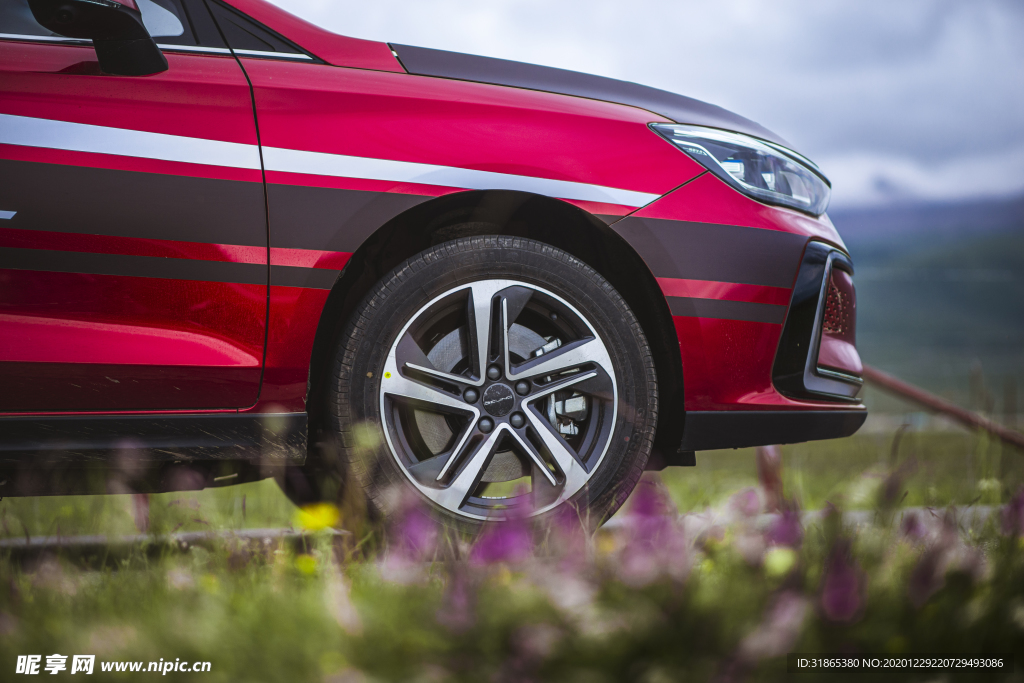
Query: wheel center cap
[498, 399]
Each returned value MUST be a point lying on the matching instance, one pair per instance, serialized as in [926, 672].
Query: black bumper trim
[712, 430]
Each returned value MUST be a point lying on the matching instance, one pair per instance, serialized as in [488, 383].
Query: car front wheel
[495, 377]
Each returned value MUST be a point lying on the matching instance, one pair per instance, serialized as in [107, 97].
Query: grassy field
[943, 468]
[656, 598]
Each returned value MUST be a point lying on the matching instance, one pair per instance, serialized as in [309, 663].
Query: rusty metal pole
[935, 404]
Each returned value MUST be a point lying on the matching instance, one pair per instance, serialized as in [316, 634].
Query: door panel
[133, 269]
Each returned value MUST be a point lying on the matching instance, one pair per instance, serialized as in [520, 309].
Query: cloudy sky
[895, 99]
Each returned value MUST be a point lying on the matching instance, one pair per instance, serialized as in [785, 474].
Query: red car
[234, 245]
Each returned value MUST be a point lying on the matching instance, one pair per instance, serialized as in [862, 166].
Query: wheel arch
[520, 214]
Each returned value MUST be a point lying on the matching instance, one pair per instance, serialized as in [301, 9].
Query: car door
[133, 237]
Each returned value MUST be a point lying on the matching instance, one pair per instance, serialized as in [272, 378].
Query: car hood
[424, 61]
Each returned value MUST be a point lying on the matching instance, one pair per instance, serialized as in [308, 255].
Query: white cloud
[929, 87]
[863, 179]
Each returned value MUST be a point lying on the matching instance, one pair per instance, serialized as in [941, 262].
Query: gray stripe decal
[101, 201]
[296, 276]
[81, 137]
[715, 252]
[726, 310]
[87, 263]
[133, 266]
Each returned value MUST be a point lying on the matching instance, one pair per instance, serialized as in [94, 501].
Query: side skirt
[69, 455]
[274, 437]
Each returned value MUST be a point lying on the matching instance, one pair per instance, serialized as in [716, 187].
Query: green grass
[951, 468]
[245, 506]
[945, 468]
[585, 610]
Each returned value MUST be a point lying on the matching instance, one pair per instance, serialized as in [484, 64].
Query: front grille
[837, 311]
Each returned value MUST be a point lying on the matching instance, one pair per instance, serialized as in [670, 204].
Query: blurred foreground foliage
[719, 593]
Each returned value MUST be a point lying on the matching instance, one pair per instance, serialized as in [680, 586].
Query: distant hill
[940, 291]
[930, 220]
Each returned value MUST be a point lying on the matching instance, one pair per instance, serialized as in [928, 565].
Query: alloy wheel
[498, 398]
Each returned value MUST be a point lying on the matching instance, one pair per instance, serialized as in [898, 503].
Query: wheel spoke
[542, 491]
[481, 294]
[458, 379]
[504, 338]
[425, 471]
[566, 357]
[408, 354]
[538, 461]
[513, 301]
[465, 481]
[573, 471]
[457, 451]
[403, 387]
[558, 386]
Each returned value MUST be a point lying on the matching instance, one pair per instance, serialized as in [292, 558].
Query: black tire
[355, 402]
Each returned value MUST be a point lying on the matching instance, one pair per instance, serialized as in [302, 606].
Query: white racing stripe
[83, 137]
[342, 166]
[80, 137]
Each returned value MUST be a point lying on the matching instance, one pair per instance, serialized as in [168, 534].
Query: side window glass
[161, 18]
[170, 22]
[16, 20]
[249, 38]
[167, 21]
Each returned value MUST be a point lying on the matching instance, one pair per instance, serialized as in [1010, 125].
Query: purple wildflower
[508, 541]
[457, 607]
[750, 546]
[912, 526]
[787, 529]
[568, 538]
[415, 534]
[779, 630]
[927, 576]
[648, 501]
[1013, 515]
[745, 503]
[413, 537]
[843, 585]
[650, 515]
[655, 543]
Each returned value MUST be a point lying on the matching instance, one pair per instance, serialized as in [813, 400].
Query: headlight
[762, 170]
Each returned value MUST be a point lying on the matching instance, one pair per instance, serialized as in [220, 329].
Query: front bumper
[713, 430]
